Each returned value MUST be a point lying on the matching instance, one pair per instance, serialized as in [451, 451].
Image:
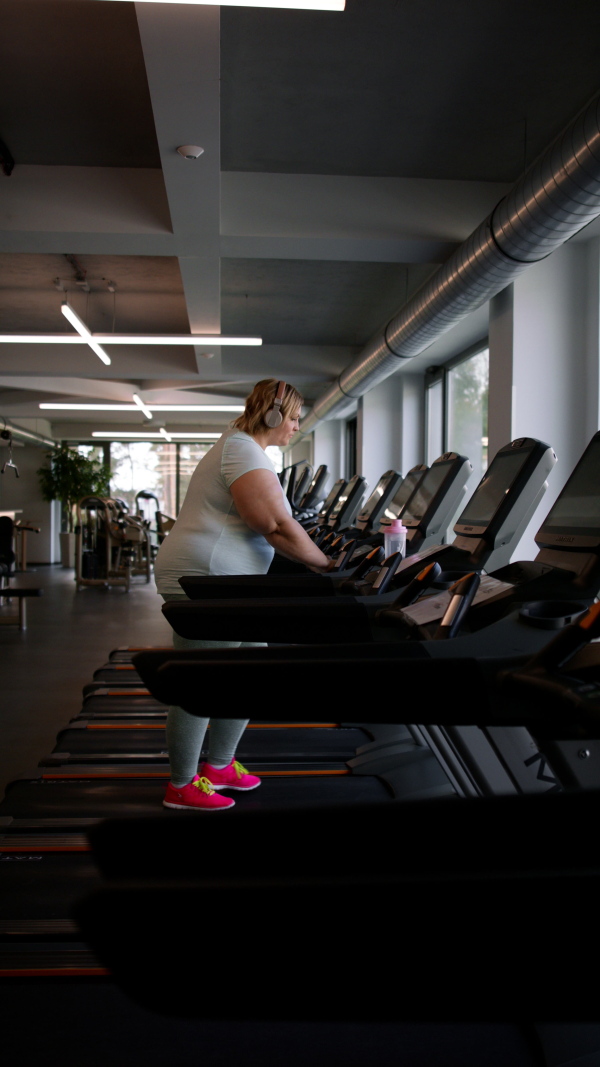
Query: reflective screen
[332, 494]
[316, 478]
[492, 488]
[342, 500]
[426, 491]
[578, 506]
[376, 495]
[404, 491]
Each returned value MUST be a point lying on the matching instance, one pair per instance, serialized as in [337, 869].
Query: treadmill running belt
[265, 745]
[106, 798]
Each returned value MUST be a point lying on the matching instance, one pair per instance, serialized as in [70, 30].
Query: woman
[234, 517]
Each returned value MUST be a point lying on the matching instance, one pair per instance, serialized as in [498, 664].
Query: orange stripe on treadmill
[126, 726]
[53, 972]
[251, 726]
[45, 848]
[589, 619]
[292, 725]
[126, 693]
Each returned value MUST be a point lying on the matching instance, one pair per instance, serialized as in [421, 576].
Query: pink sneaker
[198, 795]
[232, 777]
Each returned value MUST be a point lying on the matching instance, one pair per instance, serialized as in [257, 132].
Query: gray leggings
[185, 732]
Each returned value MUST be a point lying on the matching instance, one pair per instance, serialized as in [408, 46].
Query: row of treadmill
[427, 732]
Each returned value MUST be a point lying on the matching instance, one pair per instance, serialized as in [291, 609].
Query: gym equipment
[111, 546]
[502, 504]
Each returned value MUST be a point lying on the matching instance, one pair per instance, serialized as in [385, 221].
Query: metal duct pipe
[27, 436]
[555, 198]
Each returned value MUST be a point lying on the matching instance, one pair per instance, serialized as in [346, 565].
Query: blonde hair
[261, 400]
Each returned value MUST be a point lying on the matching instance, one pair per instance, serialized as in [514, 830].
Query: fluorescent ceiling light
[295, 5]
[83, 331]
[88, 407]
[134, 407]
[165, 435]
[196, 407]
[140, 403]
[124, 338]
[115, 435]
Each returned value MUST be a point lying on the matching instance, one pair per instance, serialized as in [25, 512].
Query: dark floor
[69, 636]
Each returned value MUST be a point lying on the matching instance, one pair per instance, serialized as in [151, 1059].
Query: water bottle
[394, 538]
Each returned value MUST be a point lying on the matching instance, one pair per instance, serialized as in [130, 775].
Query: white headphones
[273, 417]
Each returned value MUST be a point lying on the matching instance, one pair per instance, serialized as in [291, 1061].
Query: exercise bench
[10, 593]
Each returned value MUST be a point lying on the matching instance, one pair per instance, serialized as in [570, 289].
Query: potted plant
[69, 477]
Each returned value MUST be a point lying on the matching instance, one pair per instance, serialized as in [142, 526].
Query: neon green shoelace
[204, 785]
[239, 770]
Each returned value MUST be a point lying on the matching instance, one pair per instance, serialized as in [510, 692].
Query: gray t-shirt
[209, 536]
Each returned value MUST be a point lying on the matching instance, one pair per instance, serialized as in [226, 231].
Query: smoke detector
[190, 151]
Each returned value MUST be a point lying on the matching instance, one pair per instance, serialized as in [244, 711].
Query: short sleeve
[241, 455]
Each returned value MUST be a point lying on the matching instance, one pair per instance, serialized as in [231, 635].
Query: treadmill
[344, 511]
[471, 760]
[315, 493]
[502, 504]
[427, 503]
[329, 504]
[518, 841]
[370, 516]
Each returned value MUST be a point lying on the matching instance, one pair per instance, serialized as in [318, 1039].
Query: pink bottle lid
[396, 526]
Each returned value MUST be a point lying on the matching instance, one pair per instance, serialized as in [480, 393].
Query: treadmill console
[403, 494]
[574, 520]
[335, 493]
[504, 501]
[434, 501]
[313, 495]
[347, 504]
[383, 491]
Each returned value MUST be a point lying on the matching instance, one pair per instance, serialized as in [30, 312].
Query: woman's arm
[259, 501]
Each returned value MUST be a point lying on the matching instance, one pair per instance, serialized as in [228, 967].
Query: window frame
[441, 372]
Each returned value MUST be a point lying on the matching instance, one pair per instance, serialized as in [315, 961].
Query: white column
[390, 427]
[592, 336]
[544, 364]
[328, 448]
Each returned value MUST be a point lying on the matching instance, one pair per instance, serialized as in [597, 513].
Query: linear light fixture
[115, 435]
[125, 338]
[83, 331]
[166, 436]
[295, 5]
[133, 407]
[140, 403]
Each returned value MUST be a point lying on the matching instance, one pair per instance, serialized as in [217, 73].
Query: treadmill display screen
[313, 484]
[341, 500]
[493, 487]
[578, 506]
[407, 488]
[426, 492]
[375, 496]
[330, 499]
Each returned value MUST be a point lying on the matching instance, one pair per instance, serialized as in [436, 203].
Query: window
[457, 410]
[139, 465]
[162, 469]
[467, 410]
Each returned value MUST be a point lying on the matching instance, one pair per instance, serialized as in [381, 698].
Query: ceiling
[345, 157]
